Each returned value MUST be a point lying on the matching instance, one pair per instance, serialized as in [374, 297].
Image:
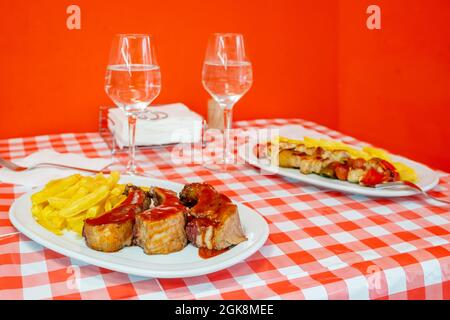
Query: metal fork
[390, 185]
[7, 235]
[14, 167]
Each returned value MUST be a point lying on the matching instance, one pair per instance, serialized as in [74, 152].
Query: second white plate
[427, 178]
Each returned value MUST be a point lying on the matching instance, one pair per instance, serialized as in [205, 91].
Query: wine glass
[133, 80]
[227, 76]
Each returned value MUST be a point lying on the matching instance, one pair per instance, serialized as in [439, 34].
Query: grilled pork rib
[113, 230]
[203, 216]
[161, 230]
[213, 220]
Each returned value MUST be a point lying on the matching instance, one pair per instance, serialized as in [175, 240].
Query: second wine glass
[133, 81]
[227, 76]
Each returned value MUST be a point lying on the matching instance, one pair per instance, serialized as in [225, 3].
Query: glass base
[131, 170]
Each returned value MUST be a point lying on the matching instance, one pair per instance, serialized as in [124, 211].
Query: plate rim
[138, 271]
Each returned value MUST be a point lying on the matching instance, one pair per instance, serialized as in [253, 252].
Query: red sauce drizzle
[160, 213]
[126, 211]
[171, 205]
[207, 202]
[205, 222]
[117, 215]
[206, 253]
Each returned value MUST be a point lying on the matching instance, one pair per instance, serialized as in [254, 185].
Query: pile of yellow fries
[66, 203]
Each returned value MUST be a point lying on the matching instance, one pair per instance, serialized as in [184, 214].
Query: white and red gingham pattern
[322, 244]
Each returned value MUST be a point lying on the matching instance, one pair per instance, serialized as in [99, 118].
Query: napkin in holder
[158, 125]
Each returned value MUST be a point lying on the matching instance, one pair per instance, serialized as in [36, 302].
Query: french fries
[66, 203]
[53, 188]
[76, 206]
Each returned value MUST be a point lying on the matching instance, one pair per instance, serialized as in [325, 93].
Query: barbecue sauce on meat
[206, 253]
[205, 222]
[160, 213]
[206, 207]
[207, 203]
[123, 213]
[117, 215]
[170, 205]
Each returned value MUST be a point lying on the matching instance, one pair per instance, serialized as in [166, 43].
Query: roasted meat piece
[161, 230]
[310, 160]
[290, 158]
[202, 199]
[312, 164]
[113, 230]
[213, 220]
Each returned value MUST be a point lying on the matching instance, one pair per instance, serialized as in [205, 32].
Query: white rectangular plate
[133, 260]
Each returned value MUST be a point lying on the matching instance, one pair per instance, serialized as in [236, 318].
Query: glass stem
[227, 145]
[131, 167]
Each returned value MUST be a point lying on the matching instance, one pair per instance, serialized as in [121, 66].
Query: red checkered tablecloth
[322, 244]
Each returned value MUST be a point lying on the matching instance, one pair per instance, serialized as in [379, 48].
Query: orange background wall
[312, 59]
[394, 83]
